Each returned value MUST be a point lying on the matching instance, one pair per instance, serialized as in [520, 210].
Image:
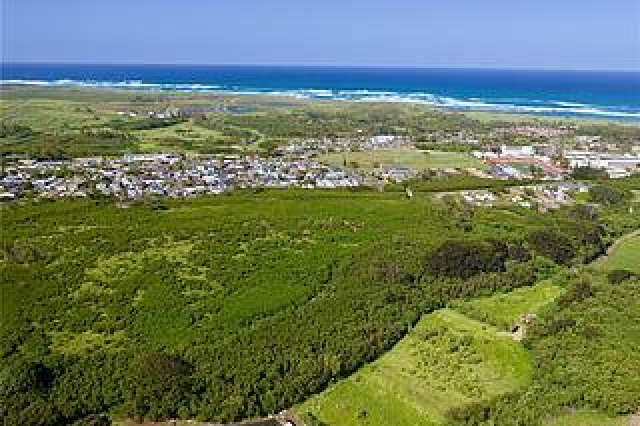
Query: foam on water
[515, 105]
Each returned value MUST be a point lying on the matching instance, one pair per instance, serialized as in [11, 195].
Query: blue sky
[556, 34]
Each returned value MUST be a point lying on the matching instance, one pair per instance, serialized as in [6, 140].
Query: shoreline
[477, 109]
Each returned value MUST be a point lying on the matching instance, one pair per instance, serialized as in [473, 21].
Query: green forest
[242, 305]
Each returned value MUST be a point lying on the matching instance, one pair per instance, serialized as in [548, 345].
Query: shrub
[464, 259]
[160, 383]
[619, 275]
[553, 245]
[608, 195]
[589, 173]
[577, 292]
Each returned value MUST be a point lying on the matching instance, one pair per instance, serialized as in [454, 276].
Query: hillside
[233, 307]
[446, 361]
[576, 366]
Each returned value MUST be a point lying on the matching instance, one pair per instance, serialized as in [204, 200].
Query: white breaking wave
[551, 107]
[129, 84]
[569, 104]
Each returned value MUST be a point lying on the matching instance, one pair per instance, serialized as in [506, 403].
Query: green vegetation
[585, 352]
[410, 158]
[608, 195]
[567, 381]
[589, 173]
[243, 304]
[456, 183]
[588, 418]
[625, 255]
[63, 123]
[187, 136]
[446, 361]
[505, 310]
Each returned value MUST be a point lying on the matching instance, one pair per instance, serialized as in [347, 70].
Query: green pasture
[448, 360]
[410, 158]
[625, 255]
[504, 310]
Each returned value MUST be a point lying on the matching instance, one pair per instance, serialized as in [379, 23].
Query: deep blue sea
[588, 94]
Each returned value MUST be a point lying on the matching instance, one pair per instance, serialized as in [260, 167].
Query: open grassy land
[444, 371]
[491, 116]
[411, 158]
[584, 347]
[232, 307]
[50, 122]
[51, 114]
[505, 310]
[446, 361]
[624, 255]
[64, 122]
[189, 136]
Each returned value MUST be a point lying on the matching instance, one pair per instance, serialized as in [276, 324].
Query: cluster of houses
[136, 176]
[533, 131]
[544, 197]
[547, 161]
[183, 111]
[616, 165]
[295, 165]
[169, 112]
[453, 137]
[521, 162]
[312, 147]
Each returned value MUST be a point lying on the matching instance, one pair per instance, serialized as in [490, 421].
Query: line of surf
[518, 105]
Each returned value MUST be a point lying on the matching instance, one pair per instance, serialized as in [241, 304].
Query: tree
[160, 384]
[619, 275]
[583, 212]
[589, 173]
[608, 195]
[553, 245]
[464, 259]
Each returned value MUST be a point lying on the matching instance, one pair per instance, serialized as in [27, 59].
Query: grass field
[51, 115]
[625, 255]
[447, 360]
[411, 158]
[188, 136]
[504, 310]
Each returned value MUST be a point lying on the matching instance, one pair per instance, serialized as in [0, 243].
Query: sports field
[410, 158]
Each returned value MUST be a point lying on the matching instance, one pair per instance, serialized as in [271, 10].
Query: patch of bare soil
[520, 330]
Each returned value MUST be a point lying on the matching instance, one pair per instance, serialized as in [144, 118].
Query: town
[299, 164]
[136, 175]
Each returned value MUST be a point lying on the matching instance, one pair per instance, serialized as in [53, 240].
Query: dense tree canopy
[225, 308]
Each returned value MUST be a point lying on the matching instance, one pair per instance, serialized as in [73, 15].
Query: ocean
[586, 94]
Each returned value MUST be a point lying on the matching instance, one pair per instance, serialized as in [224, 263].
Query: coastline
[89, 92]
[598, 95]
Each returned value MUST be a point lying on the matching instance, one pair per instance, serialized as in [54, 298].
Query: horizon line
[303, 65]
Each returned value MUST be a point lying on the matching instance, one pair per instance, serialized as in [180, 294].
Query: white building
[599, 160]
[517, 151]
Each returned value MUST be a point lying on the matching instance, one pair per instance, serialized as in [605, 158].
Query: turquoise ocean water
[588, 94]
